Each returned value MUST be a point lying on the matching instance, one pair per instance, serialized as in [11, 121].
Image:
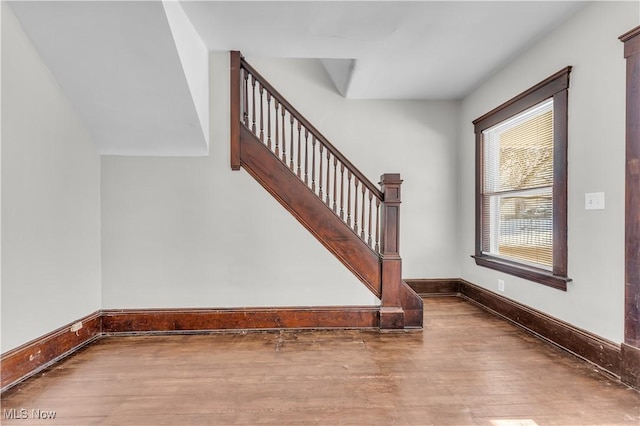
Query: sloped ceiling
[134, 70]
[119, 67]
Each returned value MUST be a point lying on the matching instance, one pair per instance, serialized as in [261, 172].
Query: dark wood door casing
[631, 346]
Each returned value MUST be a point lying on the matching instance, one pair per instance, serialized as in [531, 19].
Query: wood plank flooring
[466, 368]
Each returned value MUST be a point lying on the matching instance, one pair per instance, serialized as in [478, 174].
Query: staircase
[328, 195]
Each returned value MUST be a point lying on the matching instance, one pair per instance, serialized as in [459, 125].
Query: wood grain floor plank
[466, 368]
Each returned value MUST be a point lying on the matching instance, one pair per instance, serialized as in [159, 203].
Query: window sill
[529, 273]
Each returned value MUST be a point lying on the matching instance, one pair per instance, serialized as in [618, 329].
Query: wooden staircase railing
[348, 214]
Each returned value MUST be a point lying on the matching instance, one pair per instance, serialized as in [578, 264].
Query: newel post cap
[390, 184]
[390, 179]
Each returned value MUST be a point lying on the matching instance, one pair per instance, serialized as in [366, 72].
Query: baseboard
[24, 361]
[595, 349]
[201, 320]
[428, 287]
[630, 366]
[29, 359]
[601, 352]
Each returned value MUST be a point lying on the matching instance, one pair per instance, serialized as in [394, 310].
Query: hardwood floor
[466, 368]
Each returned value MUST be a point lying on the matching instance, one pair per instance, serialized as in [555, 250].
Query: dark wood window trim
[556, 87]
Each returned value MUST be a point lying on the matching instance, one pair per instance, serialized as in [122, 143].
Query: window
[521, 184]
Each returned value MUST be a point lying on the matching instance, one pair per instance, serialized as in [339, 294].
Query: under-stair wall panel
[312, 213]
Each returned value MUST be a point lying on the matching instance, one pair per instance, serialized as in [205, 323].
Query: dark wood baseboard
[202, 320]
[427, 287]
[38, 354]
[630, 366]
[27, 360]
[601, 352]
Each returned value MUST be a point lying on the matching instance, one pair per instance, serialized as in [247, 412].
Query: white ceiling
[119, 65]
[402, 50]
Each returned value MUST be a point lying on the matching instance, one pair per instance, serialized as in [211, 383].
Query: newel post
[391, 312]
[235, 90]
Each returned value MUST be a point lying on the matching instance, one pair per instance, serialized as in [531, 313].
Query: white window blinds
[517, 186]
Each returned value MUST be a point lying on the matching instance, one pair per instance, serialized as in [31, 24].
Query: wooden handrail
[334, 151]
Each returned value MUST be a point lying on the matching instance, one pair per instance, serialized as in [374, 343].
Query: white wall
[50, 199]
[594, 300]
[181, 232]
[189, 232]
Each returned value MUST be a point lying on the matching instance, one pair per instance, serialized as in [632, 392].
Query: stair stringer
[296, 197]
[412, 305]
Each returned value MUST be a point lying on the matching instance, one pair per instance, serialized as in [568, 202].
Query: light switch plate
[594, 201]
